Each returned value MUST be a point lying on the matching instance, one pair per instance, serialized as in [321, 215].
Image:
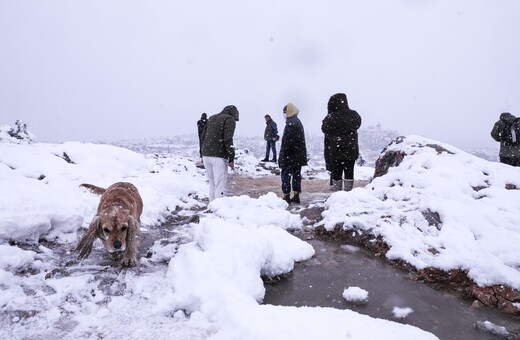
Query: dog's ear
[84, 246]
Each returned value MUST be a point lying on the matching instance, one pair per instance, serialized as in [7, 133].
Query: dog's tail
[93, 189]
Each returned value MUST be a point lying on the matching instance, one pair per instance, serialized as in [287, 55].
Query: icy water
[321, 280]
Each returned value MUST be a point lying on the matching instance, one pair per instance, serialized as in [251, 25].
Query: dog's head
[115, 227]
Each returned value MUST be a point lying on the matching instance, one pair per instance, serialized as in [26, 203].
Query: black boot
[286, 198]
[296, 197]
[264, 160]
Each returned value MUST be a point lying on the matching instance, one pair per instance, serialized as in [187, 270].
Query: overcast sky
[104, 70]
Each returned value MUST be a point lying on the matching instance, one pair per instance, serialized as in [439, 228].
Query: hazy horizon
[112, 70]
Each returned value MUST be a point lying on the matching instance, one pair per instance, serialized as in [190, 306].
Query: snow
[201, 279]
[479, 223]
[401, 312]
[355, 294]
[492, 328]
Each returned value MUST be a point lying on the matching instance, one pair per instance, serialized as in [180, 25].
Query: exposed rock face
[434, 275]
[392, 158]
[498, 296]
[389, 159]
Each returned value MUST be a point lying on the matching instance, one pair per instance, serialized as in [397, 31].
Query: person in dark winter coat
[271, 137]
[218, 151]
[293, 154]
[509, 152]
[342, 148]
[201, 124]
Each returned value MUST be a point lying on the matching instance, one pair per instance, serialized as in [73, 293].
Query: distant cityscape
[372, 140]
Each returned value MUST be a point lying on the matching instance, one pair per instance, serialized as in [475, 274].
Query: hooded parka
[506, 150]
[293, 151]
[217, 138]
[340, 128]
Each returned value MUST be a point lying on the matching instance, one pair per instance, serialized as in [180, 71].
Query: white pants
[217, 171]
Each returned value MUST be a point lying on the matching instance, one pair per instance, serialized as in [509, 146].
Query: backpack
[511, 133]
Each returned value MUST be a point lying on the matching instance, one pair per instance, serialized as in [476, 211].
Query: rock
[387, 160]
[389, 157]
[498, 296]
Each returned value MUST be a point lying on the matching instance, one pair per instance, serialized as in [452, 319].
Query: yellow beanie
[291, 110]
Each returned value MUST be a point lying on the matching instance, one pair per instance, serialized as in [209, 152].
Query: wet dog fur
[117, 222]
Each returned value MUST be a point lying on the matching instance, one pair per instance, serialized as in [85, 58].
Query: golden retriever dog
[117, 222]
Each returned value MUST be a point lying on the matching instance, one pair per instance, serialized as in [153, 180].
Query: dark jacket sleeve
[497, 130]
[229, 131]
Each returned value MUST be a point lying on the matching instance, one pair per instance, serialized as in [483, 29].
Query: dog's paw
[129, 262]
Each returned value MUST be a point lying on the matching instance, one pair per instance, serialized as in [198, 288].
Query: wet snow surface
[201, 267]
[393, 293]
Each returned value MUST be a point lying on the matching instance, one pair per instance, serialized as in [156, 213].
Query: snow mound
[355, 294]
[440, 207]
[401, 312]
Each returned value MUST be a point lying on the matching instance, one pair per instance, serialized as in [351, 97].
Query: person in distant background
[293, 154]
[218, 151]
[342, 149]
[271, 137]
[201, 124]
[507, 131]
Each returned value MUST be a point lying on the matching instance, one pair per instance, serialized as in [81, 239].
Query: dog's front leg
[132, 242]
[129, 261]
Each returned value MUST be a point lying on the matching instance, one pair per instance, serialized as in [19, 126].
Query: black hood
[338, 102]
[507, 117]
[231, 110]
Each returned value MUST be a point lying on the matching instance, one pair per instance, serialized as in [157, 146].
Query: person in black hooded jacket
[201, 124]
[509, 152]
[293, 154]
[341, 147]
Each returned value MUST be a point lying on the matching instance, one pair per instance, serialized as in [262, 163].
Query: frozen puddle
[392, 294]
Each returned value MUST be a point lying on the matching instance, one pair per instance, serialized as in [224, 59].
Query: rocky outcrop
[498, 296]
[392, 158]
[389, 159]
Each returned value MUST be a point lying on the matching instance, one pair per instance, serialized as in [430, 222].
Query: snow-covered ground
[203, 278]
[203, 281]
[475, 204]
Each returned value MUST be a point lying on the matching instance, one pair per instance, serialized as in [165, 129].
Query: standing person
[201, 124]
[271, 137]
[218, 151]
[340, 128]
[293, 154]
[507, 131]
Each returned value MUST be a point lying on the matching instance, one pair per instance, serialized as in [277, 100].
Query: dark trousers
[271, 144]
[343, 169]
[292, 176]
[510, 161]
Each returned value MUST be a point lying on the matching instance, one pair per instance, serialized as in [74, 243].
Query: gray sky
[90, 70]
